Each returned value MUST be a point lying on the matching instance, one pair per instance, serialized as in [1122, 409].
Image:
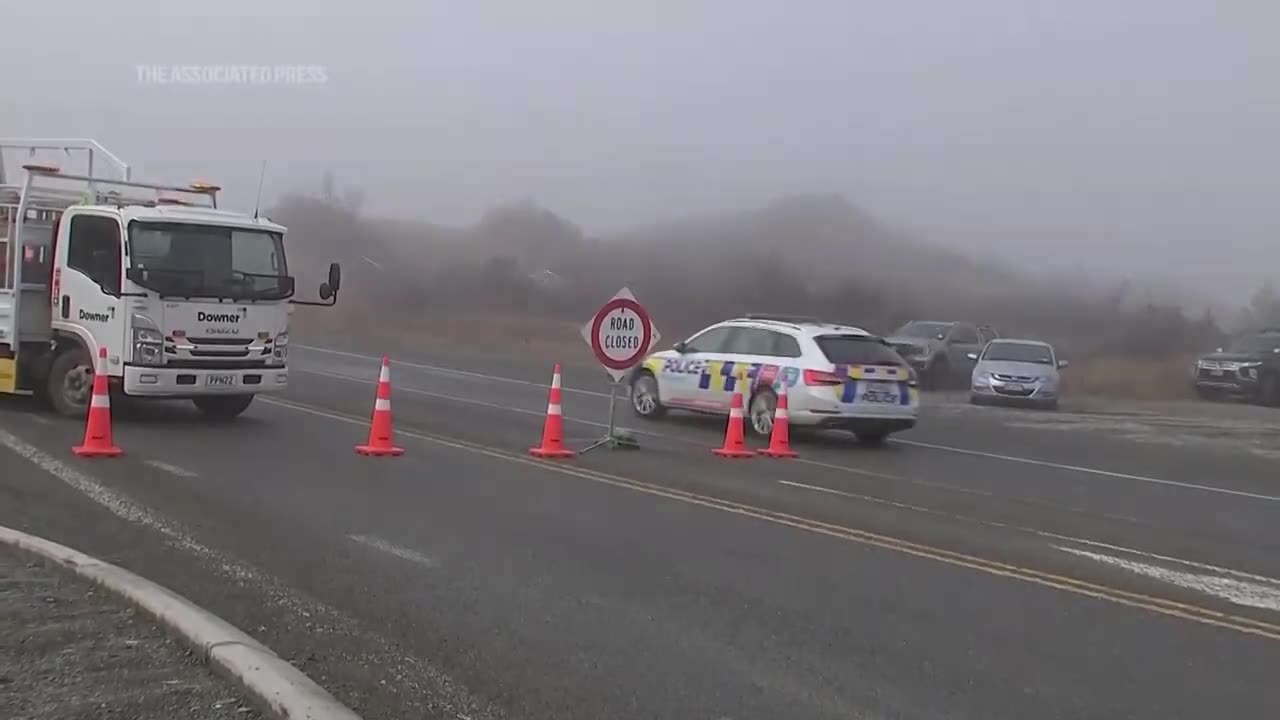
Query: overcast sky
[1112, 133]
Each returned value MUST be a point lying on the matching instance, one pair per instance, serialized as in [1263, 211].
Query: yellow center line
[1163, 606]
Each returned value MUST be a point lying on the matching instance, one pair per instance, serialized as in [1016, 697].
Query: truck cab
[189, 301]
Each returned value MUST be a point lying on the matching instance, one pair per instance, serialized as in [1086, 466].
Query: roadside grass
[1153, 379]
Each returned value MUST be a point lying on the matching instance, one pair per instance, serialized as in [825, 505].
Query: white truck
[190, 302]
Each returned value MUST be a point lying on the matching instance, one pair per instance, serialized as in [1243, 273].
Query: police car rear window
[856, 350]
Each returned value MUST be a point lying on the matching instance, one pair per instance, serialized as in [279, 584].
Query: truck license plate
[221, 380]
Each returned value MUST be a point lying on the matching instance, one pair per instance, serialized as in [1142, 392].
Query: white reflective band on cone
[381, 404]
[735, 412]
[385, 374]
[553, 409]
[100, 401]
[555, 381]
[780, 414]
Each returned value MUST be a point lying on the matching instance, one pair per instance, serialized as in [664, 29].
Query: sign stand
[620, 335]
[615, 438]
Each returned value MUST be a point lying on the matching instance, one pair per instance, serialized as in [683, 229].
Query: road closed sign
[620, 334]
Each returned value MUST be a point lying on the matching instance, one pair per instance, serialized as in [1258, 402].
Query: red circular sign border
[598, 320]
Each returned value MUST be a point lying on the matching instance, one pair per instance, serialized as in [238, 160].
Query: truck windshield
[186, 260]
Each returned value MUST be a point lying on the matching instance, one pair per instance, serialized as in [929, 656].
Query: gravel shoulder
[70, 650]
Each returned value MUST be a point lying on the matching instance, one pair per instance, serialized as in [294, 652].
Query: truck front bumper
[184, 382]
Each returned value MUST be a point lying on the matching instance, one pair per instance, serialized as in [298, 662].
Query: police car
[836, 376]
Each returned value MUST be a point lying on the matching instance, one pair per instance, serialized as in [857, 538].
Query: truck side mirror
[326, 292]
[972, 356]
[1063, 363]
[680, 347]
[335, 278]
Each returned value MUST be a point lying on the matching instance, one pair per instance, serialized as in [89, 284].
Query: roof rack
[774, 317]
[120, 169]
[49, 189]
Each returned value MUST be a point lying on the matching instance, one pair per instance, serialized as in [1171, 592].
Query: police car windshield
[184, 259]
[927, 330]
[1018, 352]
[856, 350]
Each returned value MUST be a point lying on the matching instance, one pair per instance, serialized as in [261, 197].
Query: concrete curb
[278, 688]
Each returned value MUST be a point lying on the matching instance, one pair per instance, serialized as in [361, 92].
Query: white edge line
[453, 371]
[171, 469]
[391, 548]
[1168, 558]
[1092, 471]
[280, 688]
[1032, 531]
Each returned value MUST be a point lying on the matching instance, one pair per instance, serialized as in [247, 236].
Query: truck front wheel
[70, 383]
[222, 407]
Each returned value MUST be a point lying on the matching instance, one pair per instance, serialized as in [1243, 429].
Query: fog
[1121, 137]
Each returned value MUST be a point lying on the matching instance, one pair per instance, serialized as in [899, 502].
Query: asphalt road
[1106, 560]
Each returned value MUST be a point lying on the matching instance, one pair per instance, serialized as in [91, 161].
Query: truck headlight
[148, 341]
[280, 351]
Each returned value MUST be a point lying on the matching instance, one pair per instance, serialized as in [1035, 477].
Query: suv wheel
[645, 401]
[937, 375]
[1269, 390]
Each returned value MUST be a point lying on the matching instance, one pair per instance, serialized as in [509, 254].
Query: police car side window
[785, 346]
[712, 341]
[750, 341]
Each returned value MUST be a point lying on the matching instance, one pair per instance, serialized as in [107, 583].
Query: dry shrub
[1131, 378]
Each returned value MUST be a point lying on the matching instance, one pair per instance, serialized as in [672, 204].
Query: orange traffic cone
[733, 435]
[780, 437]
[97, 431]
[553, 429]
[380, 429]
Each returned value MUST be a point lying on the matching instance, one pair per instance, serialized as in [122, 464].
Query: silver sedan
[1023, 372]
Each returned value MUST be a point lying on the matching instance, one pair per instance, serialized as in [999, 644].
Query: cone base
[731, 453]
[551, 452]
[85, 451]
[778, 453]
[372, 451]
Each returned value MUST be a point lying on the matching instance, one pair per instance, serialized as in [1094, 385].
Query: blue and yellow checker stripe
[731, 376]
[857, 374]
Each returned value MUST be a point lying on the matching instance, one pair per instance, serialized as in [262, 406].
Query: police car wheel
[760, 417]
[644, 397]
[873, 438]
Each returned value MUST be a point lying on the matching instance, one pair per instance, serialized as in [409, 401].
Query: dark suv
[1250, 368]
[939, 351]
